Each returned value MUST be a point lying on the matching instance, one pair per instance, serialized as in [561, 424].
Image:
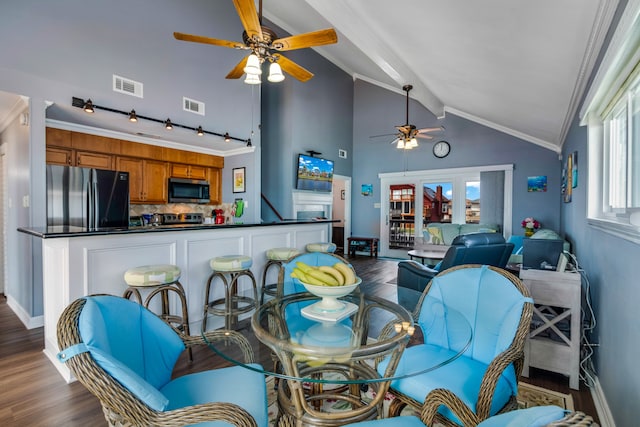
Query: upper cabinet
[78, 149]
[188, 171]
[147, 179]
[149, 166]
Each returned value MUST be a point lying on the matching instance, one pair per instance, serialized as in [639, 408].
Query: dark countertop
[74, 231]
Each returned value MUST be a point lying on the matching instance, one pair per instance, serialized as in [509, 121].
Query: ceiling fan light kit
[275, 73]
[265, 45]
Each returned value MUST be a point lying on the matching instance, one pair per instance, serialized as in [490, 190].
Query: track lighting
[88, 106]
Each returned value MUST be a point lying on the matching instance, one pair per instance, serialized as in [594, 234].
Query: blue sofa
[442, 233]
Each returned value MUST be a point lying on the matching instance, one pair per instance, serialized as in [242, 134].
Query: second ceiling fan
[265, 46]
[407, 135]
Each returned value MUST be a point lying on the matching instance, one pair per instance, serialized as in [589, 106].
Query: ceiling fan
[265, 45]
[407, 134]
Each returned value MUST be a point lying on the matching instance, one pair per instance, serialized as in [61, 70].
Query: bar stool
[327, 247]
[229, 269]
[160, 279]
[275, 258]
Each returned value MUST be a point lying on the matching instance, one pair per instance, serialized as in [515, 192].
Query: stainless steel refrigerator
[89, 198]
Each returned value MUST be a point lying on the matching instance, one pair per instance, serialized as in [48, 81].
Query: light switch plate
[342, 153]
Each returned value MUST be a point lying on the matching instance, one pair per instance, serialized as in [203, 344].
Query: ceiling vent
[193, 106]
[127, 86]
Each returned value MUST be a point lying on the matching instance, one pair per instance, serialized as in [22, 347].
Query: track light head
[200, 131]
[168, 125]
[132, 116]
[88, 106]
[227, 138]
[249, 142]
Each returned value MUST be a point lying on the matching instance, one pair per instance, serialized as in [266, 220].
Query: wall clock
[441, 149]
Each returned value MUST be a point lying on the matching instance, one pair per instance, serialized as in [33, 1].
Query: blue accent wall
[609, 264]
[377, 111]
[296, 117]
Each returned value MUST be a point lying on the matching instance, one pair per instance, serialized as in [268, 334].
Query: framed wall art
[238, 180]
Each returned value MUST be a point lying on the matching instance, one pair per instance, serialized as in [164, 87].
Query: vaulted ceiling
[519, 67]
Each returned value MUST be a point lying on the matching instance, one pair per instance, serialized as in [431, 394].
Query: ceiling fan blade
[238, 70]
[384, 134]
[314, 38]
[436, 129]
[294, 69]
[208, 40]
[419, 135]
[249, 16]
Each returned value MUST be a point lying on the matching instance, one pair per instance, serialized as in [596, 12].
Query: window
[612, 112]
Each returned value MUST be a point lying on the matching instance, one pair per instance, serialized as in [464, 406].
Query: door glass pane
[472, 205]
[401, 216]
[438, 202]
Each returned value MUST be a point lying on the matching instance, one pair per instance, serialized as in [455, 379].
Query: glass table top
[295, 338]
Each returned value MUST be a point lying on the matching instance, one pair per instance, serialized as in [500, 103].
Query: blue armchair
[124, 355]
[483, 381]
[473, 248]
[537, 416]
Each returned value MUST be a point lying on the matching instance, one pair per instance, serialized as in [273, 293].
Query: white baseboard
[26, 319]
[602, 407]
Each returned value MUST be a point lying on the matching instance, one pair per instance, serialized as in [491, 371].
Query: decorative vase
[528, 232]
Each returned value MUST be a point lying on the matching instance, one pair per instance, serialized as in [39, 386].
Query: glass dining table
[325, 365]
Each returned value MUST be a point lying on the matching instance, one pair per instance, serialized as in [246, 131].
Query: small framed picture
[238, 180]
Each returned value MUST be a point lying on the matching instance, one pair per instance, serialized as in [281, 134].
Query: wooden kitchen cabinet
[59, 156]
[147, 179]
[144, 151]
[188, 171]
[215, 186]
[88, 159]
[58, 137]
[94, 143]
[85, 159]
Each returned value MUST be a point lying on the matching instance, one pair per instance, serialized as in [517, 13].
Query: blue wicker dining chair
[483, 380]
[124, 355]
[537, 416]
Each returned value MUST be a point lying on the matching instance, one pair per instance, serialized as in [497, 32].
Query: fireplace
[310, 205]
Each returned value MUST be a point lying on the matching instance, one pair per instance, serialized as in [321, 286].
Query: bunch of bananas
[339, 275]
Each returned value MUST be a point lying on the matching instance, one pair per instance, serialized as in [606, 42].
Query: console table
[557, 302]
[362, 243]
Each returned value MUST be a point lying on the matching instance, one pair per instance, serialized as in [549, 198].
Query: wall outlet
[25, 201]
[377, 205]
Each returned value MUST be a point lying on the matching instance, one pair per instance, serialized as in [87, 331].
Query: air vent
[127, 86]
[193, 106]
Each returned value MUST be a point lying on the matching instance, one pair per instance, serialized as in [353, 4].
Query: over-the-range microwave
[188, 191]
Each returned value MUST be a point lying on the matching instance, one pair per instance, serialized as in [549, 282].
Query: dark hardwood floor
[32, 392]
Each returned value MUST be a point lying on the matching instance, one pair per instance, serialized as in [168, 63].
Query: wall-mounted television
[314, 173]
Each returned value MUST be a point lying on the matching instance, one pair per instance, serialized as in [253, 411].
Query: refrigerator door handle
[92, 199]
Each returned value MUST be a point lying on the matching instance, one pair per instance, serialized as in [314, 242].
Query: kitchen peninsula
[77, 262]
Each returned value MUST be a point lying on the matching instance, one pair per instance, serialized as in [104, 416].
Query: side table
[550, 346]
[362, 243]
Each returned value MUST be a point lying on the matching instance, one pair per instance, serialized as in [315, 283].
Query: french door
[411, 200]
